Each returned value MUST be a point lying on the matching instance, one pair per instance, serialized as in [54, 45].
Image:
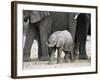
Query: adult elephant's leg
[30, 36]
[39, 47]
[82, 48]
[44, 30]
[81, 33]
[76, 49]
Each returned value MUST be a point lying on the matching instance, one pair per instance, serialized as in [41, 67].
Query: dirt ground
[36, 64]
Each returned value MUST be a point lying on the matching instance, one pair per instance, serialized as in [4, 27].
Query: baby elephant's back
[67, 35]
[68, 39]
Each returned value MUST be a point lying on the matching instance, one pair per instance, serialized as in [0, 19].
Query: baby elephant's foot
[75, 56]
[59, 61]
[50, 62]
[66, 60]
[72, 60]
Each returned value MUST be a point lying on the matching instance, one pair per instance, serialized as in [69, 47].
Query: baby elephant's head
[51, 41]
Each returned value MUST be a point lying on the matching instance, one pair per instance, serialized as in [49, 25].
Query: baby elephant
[62, 41]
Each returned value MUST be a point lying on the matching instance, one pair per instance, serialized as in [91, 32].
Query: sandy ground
[35, 63]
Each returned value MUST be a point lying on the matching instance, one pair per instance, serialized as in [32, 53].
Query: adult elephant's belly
[59, 21]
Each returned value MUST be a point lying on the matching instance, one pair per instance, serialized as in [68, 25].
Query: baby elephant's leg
[53, 50]
[59, 54]
[66, 57]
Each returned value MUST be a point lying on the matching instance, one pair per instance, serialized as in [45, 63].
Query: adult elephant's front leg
[44, 30]
[30, 36]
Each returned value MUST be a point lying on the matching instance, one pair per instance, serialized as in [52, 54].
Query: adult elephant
[82, 28]
[39, 28]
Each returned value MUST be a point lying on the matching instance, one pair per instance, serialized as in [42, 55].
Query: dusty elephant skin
[61, 40]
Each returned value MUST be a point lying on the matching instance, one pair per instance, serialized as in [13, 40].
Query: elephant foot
[26, 59]
[44, 58]
[51, 62]
[58, 62]
[76, 58]
[72, 60]
[83, 57]
[66, 61]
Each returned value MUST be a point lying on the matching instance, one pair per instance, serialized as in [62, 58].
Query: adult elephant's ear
[26, 15]
[26, 18]
[37, 16]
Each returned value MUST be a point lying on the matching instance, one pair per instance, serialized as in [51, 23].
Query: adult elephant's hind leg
[82, 49]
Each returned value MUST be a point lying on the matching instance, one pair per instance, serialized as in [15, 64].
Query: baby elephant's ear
[59, 43]
[46, 43]
[49, 45]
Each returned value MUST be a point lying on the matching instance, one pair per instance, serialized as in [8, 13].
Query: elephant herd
[41, 26]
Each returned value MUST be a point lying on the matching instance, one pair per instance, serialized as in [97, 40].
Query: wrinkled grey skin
[61, 40]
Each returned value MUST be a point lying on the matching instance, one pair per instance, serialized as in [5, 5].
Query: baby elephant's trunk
[49, 45]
